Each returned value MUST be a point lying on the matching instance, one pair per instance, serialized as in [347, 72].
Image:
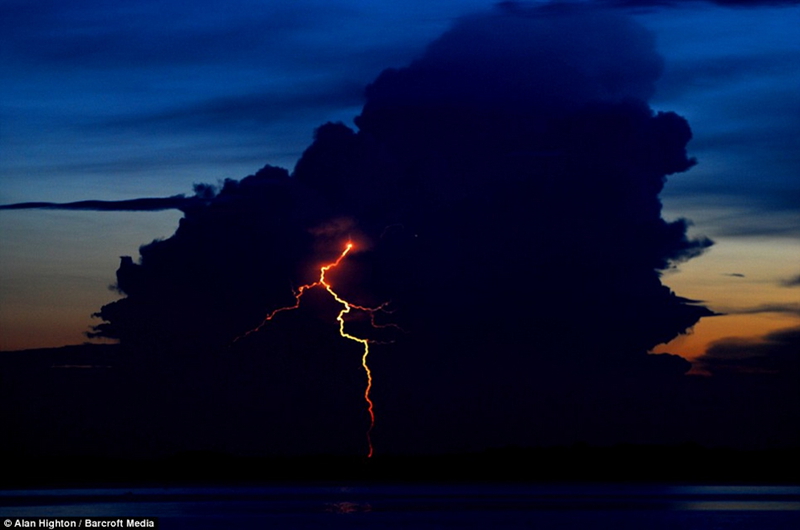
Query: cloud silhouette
[774, 353]
[792, 282]
[152, 204]
[786, 308]
[503, 192]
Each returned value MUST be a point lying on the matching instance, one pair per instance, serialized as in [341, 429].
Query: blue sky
[128, 99]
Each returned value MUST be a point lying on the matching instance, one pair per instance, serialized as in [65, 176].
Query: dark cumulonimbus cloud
[503, 190]
[536, 61]
[520, 165]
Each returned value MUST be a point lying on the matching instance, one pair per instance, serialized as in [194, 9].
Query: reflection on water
[348, 507]
[426, 506]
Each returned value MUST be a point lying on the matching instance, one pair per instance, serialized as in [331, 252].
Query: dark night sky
[505, 174]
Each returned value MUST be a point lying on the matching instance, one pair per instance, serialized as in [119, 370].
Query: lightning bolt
[347, 307]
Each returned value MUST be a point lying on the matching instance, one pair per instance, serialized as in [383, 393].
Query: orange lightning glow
[347, 307]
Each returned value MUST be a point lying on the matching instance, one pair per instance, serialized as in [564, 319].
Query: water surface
[474, 506]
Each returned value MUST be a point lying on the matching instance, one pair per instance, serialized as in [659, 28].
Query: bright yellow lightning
[347, 307]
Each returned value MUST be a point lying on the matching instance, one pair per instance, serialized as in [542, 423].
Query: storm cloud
[503, 194]
[503, 189]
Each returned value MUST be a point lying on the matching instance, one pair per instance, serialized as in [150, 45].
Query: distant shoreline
[623, 463]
